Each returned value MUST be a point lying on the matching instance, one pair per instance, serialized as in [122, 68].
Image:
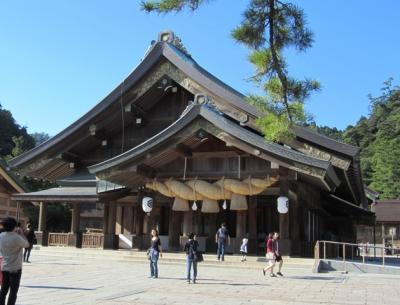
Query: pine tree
[267, 28]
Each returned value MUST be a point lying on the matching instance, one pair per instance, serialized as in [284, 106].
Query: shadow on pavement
[310, 277]
[58, 287]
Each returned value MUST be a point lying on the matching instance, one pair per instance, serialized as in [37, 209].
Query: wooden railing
[59, 239]
[92, 240]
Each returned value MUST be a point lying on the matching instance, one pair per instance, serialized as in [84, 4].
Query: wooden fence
[59, 239]
[92, 240]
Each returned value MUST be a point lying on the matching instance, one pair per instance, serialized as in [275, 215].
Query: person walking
[155, 253]
[270, 255]
[243, 249]
[278, 257]
[11, 245]
[30, 236]
[191, 248]
[221, 238]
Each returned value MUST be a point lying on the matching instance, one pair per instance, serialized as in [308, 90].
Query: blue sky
[60, 58]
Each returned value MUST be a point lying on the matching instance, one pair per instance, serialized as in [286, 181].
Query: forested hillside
[378, 136]
[14, 139]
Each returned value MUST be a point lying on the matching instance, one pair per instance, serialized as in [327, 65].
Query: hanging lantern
[194, 206]
[209, 206]
[147, 204]
[238, 202]
[180, 205]
[283, 204]
[224, 205]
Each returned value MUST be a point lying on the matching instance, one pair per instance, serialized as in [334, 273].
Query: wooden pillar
[139, 221]
[110, 239]
[210, 229]
[105, 217]
[127, 220]
[137, 240]
[42, 216]
[119, 222]
[294, 215]
[174, 230]
[241, 224]
[43, 234]
[252, 225]
[112, 217]
[75, 221]
[284, 219]
[75, 238]
[187, 222]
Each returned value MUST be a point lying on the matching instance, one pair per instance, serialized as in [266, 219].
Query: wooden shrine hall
[173, 132]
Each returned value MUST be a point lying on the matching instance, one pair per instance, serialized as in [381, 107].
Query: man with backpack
[221, 238]
[191, 249]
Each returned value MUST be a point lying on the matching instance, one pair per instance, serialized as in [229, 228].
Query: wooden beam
[313, 151]
[215, 154]
[146, 171]
[183, 150]
[215, 175]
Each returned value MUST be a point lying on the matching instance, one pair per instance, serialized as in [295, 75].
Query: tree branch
[275, 60]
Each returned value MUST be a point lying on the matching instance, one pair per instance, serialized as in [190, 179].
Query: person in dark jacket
[191, 248]
[30, 236]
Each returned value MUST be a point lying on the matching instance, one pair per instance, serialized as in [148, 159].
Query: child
[243, 248]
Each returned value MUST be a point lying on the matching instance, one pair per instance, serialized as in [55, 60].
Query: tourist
[278, 257]
[30, 236]
[243, 249]
[270, 255]
[221, 238]
[155, 253]
[11, 245]
[191, 248]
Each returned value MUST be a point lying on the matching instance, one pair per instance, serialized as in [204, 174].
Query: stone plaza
[60, 277]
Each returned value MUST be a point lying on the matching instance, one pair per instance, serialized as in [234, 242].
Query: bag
[198, 257]
[148, 254]
[270, 256]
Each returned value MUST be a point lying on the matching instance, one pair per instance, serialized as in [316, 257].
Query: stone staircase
[253, 262]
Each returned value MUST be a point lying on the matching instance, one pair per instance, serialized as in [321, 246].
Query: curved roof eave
[139, 71]
[188, 66]
[182, 61]
[227, 126]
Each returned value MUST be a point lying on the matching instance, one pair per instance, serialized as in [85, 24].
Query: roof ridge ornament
[203, 100]
[170, 37]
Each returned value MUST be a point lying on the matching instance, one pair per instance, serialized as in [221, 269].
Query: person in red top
[270, 249]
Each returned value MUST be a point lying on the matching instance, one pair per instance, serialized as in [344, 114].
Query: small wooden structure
[174, 132]
[9, 184]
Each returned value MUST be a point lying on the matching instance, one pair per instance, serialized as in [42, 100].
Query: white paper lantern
[147, 204]
[194, 206]
[283, 204]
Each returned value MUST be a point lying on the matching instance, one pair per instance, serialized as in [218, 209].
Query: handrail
[364, 247]
[357, 245]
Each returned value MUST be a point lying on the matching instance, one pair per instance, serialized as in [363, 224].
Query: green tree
[12, 133]
[378, 136]
[267, 29]
[39, 137]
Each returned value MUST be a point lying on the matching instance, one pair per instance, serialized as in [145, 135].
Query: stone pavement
[54, 280]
